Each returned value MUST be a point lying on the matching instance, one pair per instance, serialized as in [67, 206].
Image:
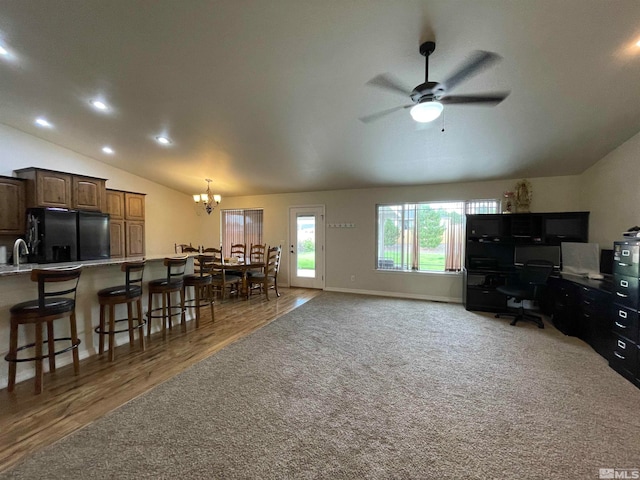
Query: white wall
[170, 216]
[610, 190]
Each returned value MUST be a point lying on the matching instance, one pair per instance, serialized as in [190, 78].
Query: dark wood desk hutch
[494, 242]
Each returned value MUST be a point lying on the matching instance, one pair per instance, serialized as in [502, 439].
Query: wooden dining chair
[220, 278]
[269, 277]
[184, 248]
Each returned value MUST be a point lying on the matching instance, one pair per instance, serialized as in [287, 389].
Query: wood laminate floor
[29, 422]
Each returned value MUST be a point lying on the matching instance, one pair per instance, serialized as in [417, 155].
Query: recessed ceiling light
[108, 150]
[43, 122]
[3, 51]
[163, 140]
[99, 105]
[638, 43]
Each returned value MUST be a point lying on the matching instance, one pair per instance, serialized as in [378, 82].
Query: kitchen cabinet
[49, 188]
[127, 212]
[12, 206]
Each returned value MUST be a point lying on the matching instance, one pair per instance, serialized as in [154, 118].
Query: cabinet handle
[620, 264]
[624, 283]
[586, 315]
[626, 253]
[621, 295]
[620, 325]
[619, 356]
[622, 314]
[621, 344]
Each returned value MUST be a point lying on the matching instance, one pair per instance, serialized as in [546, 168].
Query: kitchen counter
[6, 270]
[16, 286]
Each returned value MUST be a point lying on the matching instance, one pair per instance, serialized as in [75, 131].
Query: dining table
[243, 267]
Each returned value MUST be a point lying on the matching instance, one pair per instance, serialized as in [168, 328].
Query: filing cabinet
[625, 357]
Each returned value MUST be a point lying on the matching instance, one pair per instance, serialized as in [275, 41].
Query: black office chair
[530, 285]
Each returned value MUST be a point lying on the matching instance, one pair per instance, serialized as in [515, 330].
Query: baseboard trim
[413, 296]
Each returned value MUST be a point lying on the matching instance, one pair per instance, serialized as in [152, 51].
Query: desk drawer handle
[622, 314]
[619, 356]
[619, 325]
[620, 264]
[624, 283]
[621, 344]
[621, 295]
[626, 253]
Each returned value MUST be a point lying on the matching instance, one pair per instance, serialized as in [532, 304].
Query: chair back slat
[257, 253]
[133, 273]
[272, 264]
[56, 282]
[175, 267]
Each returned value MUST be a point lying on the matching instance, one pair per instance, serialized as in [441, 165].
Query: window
[241, 226]
[425, 237]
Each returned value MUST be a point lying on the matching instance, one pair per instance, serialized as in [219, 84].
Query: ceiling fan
[429, 98]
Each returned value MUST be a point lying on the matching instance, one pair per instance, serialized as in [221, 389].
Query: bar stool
[56, 299]
[173, 283]
[201, 282]
[130, 293]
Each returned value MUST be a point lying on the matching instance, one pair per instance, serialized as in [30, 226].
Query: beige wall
[351, 251]
[610, 190]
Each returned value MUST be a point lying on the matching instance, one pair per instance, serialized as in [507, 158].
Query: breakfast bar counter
[16, 286]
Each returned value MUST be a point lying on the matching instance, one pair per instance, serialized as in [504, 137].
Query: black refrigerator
[93, 236]
[52, 235]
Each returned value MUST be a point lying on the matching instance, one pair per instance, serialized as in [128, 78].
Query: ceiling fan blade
[488, 99]
[388, 82]
[376, 116]
[477, 62]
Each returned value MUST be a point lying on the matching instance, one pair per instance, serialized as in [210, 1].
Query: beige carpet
[352, 386]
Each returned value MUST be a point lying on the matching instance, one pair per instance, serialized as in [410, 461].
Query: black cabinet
[625, 345]
[480, 291]
[491, 244]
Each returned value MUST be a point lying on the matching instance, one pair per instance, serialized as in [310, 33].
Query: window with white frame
[425, 236]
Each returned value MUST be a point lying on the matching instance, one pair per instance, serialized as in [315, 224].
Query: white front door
[306, 246]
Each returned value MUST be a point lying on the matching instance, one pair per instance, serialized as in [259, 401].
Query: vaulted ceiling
[266, 96]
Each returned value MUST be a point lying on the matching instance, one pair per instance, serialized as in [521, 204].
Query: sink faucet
[16, 251]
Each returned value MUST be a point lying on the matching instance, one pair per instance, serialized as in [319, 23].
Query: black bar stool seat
[56, 299]
[129, 294]
[202, 282]
[172, 283]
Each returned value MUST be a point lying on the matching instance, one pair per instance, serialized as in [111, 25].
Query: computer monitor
[523, 253]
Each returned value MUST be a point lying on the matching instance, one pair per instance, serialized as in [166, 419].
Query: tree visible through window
[425, 236]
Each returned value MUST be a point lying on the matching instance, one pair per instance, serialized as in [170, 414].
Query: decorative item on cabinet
[12, 206]
[49, 188]
[523, 196]
[127, 223]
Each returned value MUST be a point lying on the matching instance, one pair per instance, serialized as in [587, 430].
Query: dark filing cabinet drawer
[625, 290]
[626, 258]
[625, 322]
[486, 299]
[625, 356]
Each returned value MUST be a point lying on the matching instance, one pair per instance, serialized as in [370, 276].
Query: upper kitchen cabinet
[12, 194]
[134, 206]
[115, 204]
[48, 188]
[88, 193]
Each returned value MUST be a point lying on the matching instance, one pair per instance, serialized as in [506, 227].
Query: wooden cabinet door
[134, 206]
[135, 239]
[53, 189]
[12, 210]
[115, 204]
[88, 193]
[117, 238]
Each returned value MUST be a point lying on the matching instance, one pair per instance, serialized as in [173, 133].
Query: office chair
[530, 285]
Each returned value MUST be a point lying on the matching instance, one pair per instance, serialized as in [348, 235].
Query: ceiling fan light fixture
[425, 112]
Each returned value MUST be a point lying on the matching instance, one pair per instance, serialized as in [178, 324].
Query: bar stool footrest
[42, 357]
[141, 323]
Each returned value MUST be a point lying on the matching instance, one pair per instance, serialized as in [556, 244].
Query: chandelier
[207, 199]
